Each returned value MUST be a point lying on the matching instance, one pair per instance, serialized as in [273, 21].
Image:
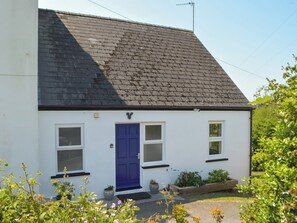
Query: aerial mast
[193, 7]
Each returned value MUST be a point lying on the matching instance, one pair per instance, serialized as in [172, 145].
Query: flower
[217, 214]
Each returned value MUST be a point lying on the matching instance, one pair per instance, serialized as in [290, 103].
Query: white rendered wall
[185, 140]
[18, 84]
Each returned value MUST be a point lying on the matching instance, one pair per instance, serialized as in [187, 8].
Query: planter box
[206, 188]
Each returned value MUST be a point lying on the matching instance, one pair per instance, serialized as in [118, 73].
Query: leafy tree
[275, 193]
[264, 121]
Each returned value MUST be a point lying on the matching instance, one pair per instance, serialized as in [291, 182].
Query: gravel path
[195, 208]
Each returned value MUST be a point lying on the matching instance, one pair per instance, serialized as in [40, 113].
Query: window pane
[215, 130]
[152, 152]
[70, 136]
[153, 132]
[71, 159]
[215, 148]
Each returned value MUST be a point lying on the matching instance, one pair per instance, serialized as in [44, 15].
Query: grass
[219, 196]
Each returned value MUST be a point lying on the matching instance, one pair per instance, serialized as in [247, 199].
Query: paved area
[149, 207]
[203, 210]
[196, 208]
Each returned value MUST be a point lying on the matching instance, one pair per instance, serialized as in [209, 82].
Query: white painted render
[186, 136]
[18, 84]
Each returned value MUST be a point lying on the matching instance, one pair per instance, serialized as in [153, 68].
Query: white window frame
[216, 139]
[159, 141]
[72, 147]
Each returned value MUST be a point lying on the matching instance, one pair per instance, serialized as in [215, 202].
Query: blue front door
[127, 156]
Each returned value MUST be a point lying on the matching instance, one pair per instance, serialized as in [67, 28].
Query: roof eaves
[150, 108]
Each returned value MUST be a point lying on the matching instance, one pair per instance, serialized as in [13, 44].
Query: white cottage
[121, 102]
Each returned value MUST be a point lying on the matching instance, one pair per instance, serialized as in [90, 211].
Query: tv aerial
[192, 4]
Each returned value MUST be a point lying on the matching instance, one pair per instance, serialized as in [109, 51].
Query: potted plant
[63, 189]
[108, 193]
[154, 187]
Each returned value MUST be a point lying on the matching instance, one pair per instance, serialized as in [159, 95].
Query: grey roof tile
[93, 61]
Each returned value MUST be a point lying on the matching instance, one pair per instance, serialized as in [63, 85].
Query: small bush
[179, 213]
[258, 160]
[218, 176]
[217, 215]
[20, 203]
[186, 179]
[63, 186]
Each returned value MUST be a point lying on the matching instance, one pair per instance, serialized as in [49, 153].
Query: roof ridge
[118, 20]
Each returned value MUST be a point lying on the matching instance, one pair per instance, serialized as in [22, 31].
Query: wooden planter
[206, 188]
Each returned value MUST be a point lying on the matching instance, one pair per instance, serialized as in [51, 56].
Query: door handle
[138, 156]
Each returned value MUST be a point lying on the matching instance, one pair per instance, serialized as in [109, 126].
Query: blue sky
[258, 36]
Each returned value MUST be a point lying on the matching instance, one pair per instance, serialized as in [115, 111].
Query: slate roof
[88, 61]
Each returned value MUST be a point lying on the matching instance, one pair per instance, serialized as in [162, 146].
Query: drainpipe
[251, 126]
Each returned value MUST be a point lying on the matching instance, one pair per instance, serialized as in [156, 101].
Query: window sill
[71, 175]
[155, 166]
[216, 160]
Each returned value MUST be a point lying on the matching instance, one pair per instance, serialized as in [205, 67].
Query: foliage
[179, 213]
[264, 121]
[63, 186]
[258, 161]
[218, 176]
[169, 202]
[275, 191]
[186, 179]
[196, 219]
[20, 203]
[153, 181]
[3, 163]
[153, 219]
[217, 215]
[109, 188]
[291, 206]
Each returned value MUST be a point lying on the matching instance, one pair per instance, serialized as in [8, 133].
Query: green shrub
[186, 179]
[274, 192]
[258, 160]
[179, 213]
[20, 203]
[218, 176]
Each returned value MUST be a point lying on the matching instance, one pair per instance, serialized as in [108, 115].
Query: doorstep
[154, 197]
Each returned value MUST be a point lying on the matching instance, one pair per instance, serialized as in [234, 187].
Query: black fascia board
[140, 107]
